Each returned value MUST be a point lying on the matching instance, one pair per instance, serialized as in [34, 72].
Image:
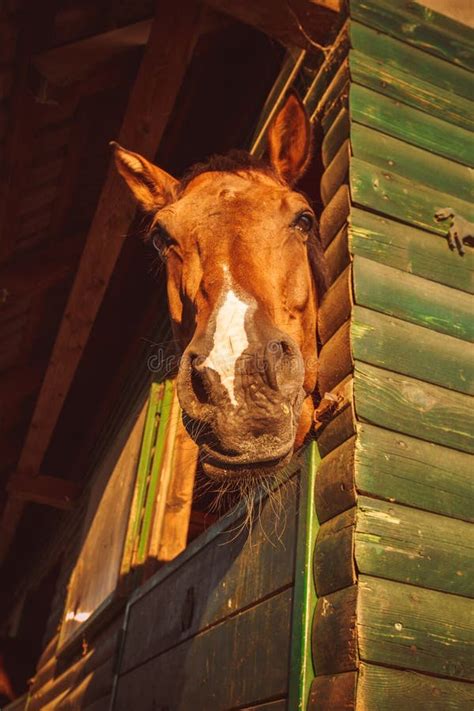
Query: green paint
[419, 27]
[411, 546]
[304, 599]
[408, 471]
[413, 299]
[409, 249]
[154, 472]
[400, 346]
[419, 64]
[149, 433]
[413, 628]
[405, 87]
[412, 407]
[411, 125]
[414, 164]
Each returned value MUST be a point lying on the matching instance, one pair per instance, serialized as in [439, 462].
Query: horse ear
[152, 187]
[289, 140]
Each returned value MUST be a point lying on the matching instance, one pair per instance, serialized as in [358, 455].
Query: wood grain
[412, 407]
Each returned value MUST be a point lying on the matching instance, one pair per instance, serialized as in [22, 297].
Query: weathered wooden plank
[388, 193]
[280, 705]
[336, 306]
[380, 688]
[224, 577]
[335, 174]
[334, 562]
[335, 490]
[409, 471]
[334, 639]
[418, 26]
[340, 428]
[335, 136]
[335, 360]
[337, 255]
[413, 299]
[411, 546]
[336, 691]
[394, 542]
[403, 347]
[414, 60]
[412, 407]
[409, 89]
[396, 468]
[413, 163]
[227, 666]
[412, 628]
[411, 125]
[408, 249]
[334, 215]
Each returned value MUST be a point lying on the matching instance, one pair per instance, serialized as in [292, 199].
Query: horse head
[244, 268]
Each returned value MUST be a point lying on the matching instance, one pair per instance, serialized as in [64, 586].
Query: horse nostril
[278, 357]
[197, 380]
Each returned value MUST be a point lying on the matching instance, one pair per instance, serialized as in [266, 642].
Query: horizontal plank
[333, 691]
[229, 665]
[411, 298]
[334, 633]
[408, 627]
[409, 249]
[334, 561]
[416, 127]
[337, 256]
[424, 549]
[219, 580]
[335, 136]
[412, 407]
[335, 489]
[394, 542]
[335, 174]
[409, 349]
[390, 194]
[380, 688]
[334, 215]
[335, 360]
[336, 305]
[414, 164]
[418, 26]
[412, 472]
[414, 60]
[338, 430]
[396, 468]
[404, 86]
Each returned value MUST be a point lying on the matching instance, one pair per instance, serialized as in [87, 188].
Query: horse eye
[304, 222]
[160, 238]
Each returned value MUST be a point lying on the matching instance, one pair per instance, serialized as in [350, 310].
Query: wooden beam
[292, 22]
[88, 65]
[162, 70]
[48, 490]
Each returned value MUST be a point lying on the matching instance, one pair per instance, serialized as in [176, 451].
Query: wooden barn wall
[212, 630]
[394, 488]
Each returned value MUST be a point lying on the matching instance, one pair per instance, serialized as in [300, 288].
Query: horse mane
[239, 161]
[236, 161]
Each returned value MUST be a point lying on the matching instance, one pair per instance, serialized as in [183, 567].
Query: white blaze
[229, 342]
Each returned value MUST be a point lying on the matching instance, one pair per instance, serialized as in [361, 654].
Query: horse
[245, 275]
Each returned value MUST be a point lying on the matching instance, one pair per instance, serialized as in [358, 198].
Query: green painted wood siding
[394, 492]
